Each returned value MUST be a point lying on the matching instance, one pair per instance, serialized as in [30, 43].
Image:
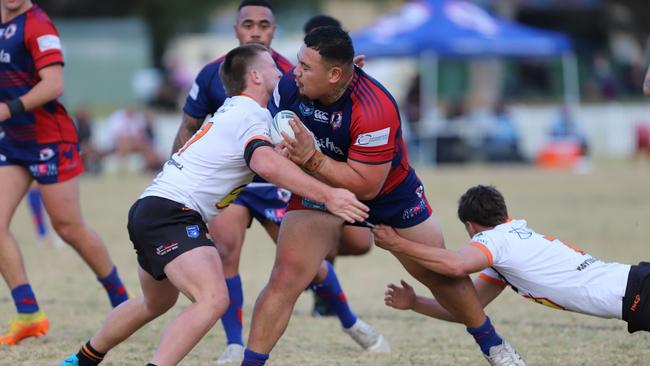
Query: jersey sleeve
[494, 247]
[490, 275]
[256, 127]
[42, 41]
[206, 94]
[374, 127]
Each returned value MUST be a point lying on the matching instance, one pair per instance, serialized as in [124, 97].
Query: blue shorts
[265, 201]
[405, 206]
[48, 163]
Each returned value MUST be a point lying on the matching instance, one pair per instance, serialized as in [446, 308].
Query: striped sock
[232, 318]
[330, 291]
[36, 206]
[485, 336]
[114, 287]
[24, 299]
[88, 356]
[252, 358]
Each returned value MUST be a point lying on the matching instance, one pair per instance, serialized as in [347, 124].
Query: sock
[330, 291]
[114, 287]
[232, 319]
[485, 336]
[88, 356]
[252, 358]
[36, 206]
[24, 299]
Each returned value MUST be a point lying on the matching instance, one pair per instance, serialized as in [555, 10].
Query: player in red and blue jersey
[39, 144]
[357, 126]
[263, 201]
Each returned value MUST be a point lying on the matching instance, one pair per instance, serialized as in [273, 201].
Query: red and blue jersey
[208, 94]
[29, 43]
[363, 125]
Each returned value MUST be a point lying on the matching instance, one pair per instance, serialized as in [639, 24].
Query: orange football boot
[25, 325]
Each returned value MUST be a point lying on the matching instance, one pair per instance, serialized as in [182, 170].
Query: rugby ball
[280, 124]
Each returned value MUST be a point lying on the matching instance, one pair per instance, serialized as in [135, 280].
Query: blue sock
[485, 336]
[114, 288]
[232, 318]
[252, 358]
[24, 299]
[330, 291]
[36, 206]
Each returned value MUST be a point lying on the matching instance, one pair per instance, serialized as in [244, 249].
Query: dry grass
[606, 212]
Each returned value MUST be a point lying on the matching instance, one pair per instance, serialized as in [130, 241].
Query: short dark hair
[483, 205]
[236, 65]
[263, 3]
[320, 21]
[332, 43]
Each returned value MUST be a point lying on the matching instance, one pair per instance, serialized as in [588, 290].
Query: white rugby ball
[280, 124]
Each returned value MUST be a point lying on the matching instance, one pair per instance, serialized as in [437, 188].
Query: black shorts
[636, 303]
[161, 230]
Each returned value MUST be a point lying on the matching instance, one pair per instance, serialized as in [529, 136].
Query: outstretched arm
[465, 261]
[404, 298]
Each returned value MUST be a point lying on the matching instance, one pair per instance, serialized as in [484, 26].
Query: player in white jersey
[167, 224]
[538, 267]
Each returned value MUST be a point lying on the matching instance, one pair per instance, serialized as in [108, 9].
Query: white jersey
[210, 171]
[550, 272]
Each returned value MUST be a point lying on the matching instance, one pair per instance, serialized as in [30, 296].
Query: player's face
[255, 24]
[268, 70]
[312, 74]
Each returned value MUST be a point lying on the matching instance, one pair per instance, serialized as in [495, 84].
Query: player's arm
[189, 126]
[465, 261]
[47, 89]
[405, 298]
[273, 167]
[364, 180]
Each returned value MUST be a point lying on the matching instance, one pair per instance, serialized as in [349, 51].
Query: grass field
[606, 212]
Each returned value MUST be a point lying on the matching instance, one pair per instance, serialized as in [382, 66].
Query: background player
[539, 267]
[167, 223]
[255, 24]
[40, 144]
[357, 125]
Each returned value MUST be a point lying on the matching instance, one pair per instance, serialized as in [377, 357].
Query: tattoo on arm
[188, 127]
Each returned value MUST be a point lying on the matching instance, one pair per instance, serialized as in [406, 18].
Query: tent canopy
[454, 28]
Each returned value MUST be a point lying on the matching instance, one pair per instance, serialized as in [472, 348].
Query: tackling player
[255, 24]
[167, 224]
[40, 143]
[539, 267]
[357, 125]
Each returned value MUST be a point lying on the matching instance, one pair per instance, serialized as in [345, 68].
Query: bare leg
[62, 203]
[14, 181]
[305, 238]
[157, 297]
[228, 230]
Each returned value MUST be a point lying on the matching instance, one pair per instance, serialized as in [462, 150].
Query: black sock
[88, 356]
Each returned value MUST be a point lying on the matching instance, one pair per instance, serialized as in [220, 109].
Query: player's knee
[216, 303]
[158, 306]
[68, 231]
[289, 275]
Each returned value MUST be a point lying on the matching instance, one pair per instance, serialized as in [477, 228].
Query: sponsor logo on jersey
[522, 232]
[374, 138]
[284, 195]
[9, 31]
[5, 57]
[586, 263]
[45, 154]
[193, 231]
[194, 92]
[320, 116]
[411, 212]
[175, 164]
[164, 249]
[274, 214]
[44, 170]
[306, 110]
[48, 42]
[420, 191]
[329, 145]
[336, 120]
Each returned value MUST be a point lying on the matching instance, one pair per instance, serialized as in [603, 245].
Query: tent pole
[570, 79]
[427, 134]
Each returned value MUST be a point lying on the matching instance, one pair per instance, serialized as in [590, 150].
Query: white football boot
[368, 337]
[234, 353]
[504, 355]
